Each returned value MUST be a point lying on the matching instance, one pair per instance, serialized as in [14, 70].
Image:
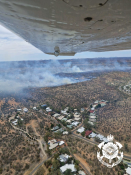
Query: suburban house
[81, 172]
[75, 123]
[15, 122]
[87, 133]
[63, 157]
[18, 109]
[56, 115]
[61, 143]
[80, 130]
[92, 111]
[90, 122]
[59, 130]
[68, 166]
[65, 132]
[64, 119]
[52, 144]
[43, 106]
[48, 109]
[70, 126]
[82, 109]
[77, 119]
[76, 115]
[92, 135]
[55, 128]
[70, 120]
[25, 110]
[60, 117]
[92, 119]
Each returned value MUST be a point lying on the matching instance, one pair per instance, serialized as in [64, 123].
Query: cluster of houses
[92, 116]
[24, 110]
[92, 120]
[71, 122]
[91, 134]
[64, 158]
[15, 122]
[127, 88]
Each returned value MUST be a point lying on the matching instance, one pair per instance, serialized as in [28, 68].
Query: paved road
[38, 166]
[87, 172]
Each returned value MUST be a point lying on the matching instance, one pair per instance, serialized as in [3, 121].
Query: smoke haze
[15, 76]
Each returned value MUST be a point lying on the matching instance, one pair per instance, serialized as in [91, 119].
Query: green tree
[68, 172]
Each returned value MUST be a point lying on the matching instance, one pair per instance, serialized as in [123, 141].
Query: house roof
[75, 123]
[56, 115]
[61, 117]
[92, 135]
[80, 130]
[61, 143]
[65, 132]
[64, 119]
[81, 172]
[69, 126]
[100, 136]
[63, 157]
[59, 130]
[43, 105]
[92, 111]
[68, 166]
[88, 132]
[53, 143]
[55, 128]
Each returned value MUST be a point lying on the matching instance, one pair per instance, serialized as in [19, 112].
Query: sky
[14, 48]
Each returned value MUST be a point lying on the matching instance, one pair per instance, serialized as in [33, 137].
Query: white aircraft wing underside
[70, 26]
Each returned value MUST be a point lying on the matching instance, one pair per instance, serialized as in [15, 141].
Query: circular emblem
[110, 151]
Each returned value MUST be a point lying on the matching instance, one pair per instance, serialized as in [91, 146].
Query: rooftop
[80, 130]
[88, 132]
[68, 166]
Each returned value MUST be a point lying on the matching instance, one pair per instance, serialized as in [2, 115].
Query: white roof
[61, 142]
[91, 123]
[77, 119]
[81, 172]
[65, 132]
[18, 109]
[63, 157]
[48, 109]
[69, 121]
[80, 130]
[68, 166]
[25, 109]
[76, 115]
[92, 135]
[75, 123]
[53, 143]
[52, 146]
[93, 117]
[22, 119]
[128, 170]
[61, 117]
[100, 136]
[56, 115]
[105, 139]
[34, 107]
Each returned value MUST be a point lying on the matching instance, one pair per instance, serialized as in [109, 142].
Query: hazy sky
[13, 48]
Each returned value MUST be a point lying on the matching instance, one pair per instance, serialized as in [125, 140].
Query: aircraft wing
[70, 26]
